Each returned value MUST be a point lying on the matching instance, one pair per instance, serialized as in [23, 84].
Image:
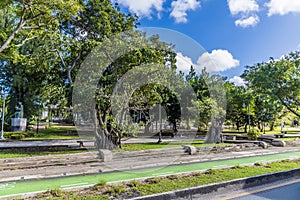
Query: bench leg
[81, 144]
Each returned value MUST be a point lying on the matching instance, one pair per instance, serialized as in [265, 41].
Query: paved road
[283, 191]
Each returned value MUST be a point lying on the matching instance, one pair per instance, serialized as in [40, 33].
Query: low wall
[223, 187]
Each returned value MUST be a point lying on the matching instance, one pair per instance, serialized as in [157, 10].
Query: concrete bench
[81, 145]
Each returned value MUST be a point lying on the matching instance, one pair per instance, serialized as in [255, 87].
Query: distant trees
[279, 80]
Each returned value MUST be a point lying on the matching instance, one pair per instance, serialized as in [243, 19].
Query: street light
[38, 117]
[160, 127]
[3, 108]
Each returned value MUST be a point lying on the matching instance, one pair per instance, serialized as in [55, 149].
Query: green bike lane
[67, 182]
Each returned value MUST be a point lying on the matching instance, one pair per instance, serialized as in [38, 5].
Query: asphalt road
[283, 191]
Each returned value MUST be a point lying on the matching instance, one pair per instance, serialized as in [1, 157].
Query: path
[21, 187]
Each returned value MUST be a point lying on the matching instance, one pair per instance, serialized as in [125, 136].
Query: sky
[231, 34]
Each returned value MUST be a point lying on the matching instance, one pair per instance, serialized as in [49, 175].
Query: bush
[254, 134]
[18, 135]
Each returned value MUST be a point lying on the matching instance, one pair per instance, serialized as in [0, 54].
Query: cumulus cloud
[245, 10]
[242, 6]
[180, 8]
[143, 7]
[249, 21]
[283, 7]
[217, 61]
[183, 63]
[237, 81]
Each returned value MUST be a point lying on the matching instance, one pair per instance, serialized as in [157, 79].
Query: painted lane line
[220, 166]
[75, 184]
[7, 185]
[161, 174]
[259, 190]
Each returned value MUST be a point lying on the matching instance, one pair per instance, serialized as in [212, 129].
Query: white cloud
[183, 63]
[238, 81]
[180, 8]
[242, 6]
[143, 7]
[283, 7]
[217, 61]
[246, 11]
[249, 21]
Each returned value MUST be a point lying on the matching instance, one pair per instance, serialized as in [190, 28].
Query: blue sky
[235, 33]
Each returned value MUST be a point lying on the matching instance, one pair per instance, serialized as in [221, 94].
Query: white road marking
[74, 185]
[161, 174]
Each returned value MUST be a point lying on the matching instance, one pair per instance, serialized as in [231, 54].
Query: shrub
[254, 134]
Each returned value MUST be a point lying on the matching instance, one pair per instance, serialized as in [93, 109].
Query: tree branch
[16, 31]
[24, 41]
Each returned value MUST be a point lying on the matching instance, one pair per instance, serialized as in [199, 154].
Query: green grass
[148, 146]
[56, 132]
[173, 182]
[18, 155]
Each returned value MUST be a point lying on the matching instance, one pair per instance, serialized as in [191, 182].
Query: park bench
[279, 135]
[81, 145]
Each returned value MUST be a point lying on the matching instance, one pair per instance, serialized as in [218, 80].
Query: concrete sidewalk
[13, 169]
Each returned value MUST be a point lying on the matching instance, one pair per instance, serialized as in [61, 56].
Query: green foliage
[18, 135]
[278, 80]
[253, 134]
[101, 182]
[56, 192]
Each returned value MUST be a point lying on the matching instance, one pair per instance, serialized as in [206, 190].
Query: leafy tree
[238, 100]
[127, 61]
[279, 79]
[23, 20]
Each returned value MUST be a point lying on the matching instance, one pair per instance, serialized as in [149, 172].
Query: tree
[279, 79]
[238, 102]
[121, 65]
[23, 20]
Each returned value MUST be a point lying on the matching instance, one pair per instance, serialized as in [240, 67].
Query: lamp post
[3, 108]
[160, 127]
[38, 119]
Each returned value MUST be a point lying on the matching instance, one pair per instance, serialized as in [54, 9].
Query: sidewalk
[13, 169]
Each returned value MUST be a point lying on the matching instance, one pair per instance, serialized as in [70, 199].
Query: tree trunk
[214, 132]
[272, 126]
[245, 128]
[188, 123]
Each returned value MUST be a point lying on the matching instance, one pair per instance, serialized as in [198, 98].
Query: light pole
[3, 108]
[160, 127]
[38, 119]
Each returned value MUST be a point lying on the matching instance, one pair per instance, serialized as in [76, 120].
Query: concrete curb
[223, 187]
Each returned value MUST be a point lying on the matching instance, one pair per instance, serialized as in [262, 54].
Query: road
[26, 186]
[283, 191]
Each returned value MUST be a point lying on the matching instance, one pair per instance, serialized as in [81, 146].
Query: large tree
[279, 79]
[24, 20]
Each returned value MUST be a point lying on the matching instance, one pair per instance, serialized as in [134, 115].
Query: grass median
[156, 185]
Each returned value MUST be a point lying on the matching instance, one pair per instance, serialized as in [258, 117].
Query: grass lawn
[147, 146]
[55, 133]
[18, 155]
[167, 183]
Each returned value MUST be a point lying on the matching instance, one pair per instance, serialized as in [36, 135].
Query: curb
[223, 187]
